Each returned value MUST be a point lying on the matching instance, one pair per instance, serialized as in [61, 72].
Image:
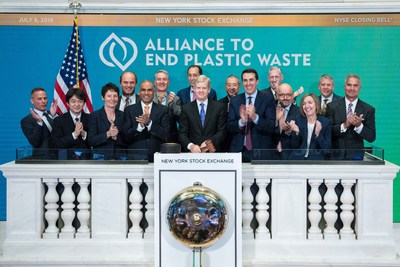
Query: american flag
[73, 73]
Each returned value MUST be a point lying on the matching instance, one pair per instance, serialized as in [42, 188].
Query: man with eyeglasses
[285, 112]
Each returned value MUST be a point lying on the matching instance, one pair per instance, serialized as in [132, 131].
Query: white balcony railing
[70, 214]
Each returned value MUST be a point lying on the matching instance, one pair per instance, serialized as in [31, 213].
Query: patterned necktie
[127, 102]
[146, 109]
[349, 110]
[249, 144]
[202, 114]
[160, 100]
[323, 111]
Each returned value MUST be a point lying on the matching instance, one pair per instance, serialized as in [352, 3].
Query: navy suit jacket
[149, 140]
[349, 145]
[38, 136]
[284, 138]
[191, 131]
[97, 133]
[267, 91]
[319, 146]
[63, 127]
[184, 95]
[261, 133]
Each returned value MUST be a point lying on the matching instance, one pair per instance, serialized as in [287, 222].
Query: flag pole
[69, 77]
[77, 50]
[76, 6]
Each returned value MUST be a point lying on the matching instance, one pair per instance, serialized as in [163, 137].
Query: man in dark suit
[275, 77]
[251, 120]
[326, 86]
[203, 121]
[146, 124]
[70, 129]
[38, 124]
[128, 81]
[171, 101]
[352, 121]
[286, 111]
[187, 94]
[232, 87]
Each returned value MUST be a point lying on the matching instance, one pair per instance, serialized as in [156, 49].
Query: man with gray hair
[169, 99]
[326, 86]
[352, 121]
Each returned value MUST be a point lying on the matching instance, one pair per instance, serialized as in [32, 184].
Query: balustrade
[313, 212]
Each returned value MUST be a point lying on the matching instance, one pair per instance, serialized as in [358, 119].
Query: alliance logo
[125, 47]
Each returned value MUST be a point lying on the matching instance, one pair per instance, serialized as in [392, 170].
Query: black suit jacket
[63, 127]
[349, 145]
[226, 100]
[97, 134]
[184, 95]
[39, 137]
[334, 97]
[261, 133]
[191, 131]
[149, 140]
[319, 146]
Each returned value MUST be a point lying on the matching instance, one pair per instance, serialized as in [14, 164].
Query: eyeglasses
[285, 95]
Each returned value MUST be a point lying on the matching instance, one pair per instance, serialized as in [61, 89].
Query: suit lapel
[210, 105]
[259, 99]
[154, 110]
[70, 122]
[359, 108]
[104, 120]
[195, 111]
[342, 109]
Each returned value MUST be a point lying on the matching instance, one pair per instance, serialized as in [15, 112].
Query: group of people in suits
[262, 124]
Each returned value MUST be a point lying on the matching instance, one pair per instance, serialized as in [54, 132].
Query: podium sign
[220, 172]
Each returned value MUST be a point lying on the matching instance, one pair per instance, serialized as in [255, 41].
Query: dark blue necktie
[202, 114]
